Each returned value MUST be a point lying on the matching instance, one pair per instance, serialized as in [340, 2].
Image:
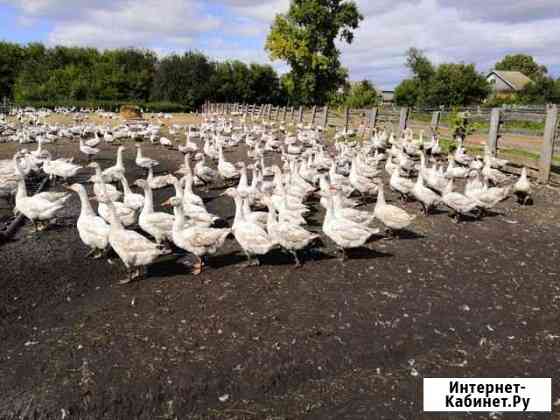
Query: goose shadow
[408, 235]
[170, 266]
[365, 253]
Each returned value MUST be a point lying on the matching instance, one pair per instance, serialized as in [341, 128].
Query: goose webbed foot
[128, 278]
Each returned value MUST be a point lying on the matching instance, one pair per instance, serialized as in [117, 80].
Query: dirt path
[333, 340]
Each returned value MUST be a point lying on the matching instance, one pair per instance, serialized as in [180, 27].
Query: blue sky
[474, 31]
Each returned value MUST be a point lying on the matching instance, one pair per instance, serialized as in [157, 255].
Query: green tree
[543, 90]
[524, 63]
[11, 61]
[362, 95]
[406, 93]
[456, 85]
[305, 38]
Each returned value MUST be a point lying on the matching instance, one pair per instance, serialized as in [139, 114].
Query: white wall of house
[498, 84]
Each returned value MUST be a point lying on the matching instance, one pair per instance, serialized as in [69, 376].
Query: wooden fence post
[494, 132]
[313, 113]
[346, 119]
[373, 118]
[300, 114]
[325, 116]
[547, 150]
[284, 112]
[292, 113]
[436, 116]
[403, 120]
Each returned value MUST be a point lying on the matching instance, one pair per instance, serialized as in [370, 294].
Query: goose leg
[298, 263]
[197, 267]
[128, 278]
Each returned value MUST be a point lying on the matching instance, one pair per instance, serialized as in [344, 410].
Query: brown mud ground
[336, 340]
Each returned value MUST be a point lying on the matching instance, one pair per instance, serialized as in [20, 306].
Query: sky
[471, 31]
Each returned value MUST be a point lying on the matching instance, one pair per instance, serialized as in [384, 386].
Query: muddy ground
[336, 340]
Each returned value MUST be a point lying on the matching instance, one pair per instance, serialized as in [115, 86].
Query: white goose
[394, 218]
[344, 233]
[93, 230]
[252, 238]
[291, 237]
[102, 190]
[113, 173]
[88, 150]
[198, 240]
[142, 161]
[458, 203]
[425, 196]
[131, 200]
[40, 207]
[158, 224]
[227, 170]
[522, 188]
[134, 250]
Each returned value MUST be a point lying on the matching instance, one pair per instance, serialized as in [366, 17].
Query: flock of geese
[272, 206]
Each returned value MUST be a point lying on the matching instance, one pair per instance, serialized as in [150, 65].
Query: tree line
[35, 73]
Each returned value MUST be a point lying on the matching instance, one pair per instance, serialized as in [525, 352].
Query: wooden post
[284, 112]
[403, 120]
[346, 119]
[547, 150]
[436, 116]
[494, 132]
[277, 113]
[373, 118]
[325, 116]
[313, 113]
[292, 113]
[300, 114]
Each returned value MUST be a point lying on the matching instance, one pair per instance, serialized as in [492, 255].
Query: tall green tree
[456, 84]
[305, 38]
[524, 63]
[361, 95]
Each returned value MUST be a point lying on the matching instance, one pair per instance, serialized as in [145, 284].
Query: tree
[420, 66]
[523, 63]
[183, 79]
[543, 90]
[305, 39]
[406, 93]
[361, 95]
[456, 85]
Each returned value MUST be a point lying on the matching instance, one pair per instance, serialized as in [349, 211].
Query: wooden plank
[403, 120]
[436, 117]
[373, 117]
[494, 131]
[547, 151]
[300, 114]
[325, 116]
[313, 113]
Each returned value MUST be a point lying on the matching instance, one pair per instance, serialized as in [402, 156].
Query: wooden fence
[542, 160]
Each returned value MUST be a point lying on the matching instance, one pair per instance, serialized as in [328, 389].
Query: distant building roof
[515, 79]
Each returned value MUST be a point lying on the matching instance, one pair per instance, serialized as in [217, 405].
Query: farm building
[505, 83]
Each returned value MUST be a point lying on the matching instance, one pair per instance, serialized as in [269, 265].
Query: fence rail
[539, 149]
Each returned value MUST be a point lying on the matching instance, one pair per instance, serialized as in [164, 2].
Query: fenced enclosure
[524, 136]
